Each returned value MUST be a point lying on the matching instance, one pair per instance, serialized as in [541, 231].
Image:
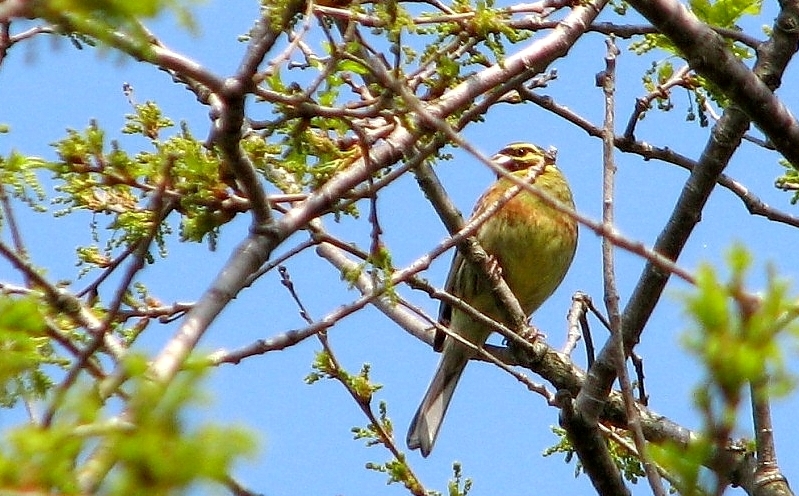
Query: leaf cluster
[629, 464]
[97, 21]
[737, 336]
[27, 351]
[161, 453]
[138, 192]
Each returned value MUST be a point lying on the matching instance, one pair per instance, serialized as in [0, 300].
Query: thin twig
[647, 151]
[608, 84]
[159, 212]
[362, 396]
[576, 321]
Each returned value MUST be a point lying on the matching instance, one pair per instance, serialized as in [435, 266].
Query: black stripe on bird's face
[521, 156]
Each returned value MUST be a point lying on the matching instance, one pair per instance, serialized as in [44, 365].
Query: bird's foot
[530, 353]
[531, 334]
[493, 267]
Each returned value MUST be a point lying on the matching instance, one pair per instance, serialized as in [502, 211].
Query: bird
[532, 244]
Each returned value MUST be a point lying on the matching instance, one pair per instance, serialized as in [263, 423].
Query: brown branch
[259, 245]
[752, 202]
[767, 479]
[591, 447]
[725, 138]
[642, 104]
[362, 396]
[580, 418]
[630, 30]
[608, 84]
[751, 91]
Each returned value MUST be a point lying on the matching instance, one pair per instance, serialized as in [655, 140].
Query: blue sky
[495, 428]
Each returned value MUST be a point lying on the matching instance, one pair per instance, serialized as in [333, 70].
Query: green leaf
[25, 348]
[724, 13]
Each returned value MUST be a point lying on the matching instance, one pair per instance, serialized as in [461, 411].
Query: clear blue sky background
[495, 427]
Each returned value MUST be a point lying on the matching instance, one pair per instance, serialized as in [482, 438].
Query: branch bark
[750, 90]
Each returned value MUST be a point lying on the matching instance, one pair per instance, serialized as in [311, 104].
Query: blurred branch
[146, 51]
[10, 9]
[63, 301]
[159, 207]
[767, 477]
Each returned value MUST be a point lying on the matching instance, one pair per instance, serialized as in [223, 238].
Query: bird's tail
[426, 423]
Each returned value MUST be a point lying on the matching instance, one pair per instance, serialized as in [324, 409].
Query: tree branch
[751, 91]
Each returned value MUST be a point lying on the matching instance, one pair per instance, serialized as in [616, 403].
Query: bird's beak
[502, 160]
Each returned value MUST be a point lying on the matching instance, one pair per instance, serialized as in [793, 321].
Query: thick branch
[709, 56]
[725, 139]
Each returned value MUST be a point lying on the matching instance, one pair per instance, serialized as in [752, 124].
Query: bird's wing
[445, 309]
[455, 280]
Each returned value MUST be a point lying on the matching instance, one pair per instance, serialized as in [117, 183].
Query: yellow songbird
[531, 242]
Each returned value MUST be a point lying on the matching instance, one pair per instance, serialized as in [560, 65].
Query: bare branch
[751, 201]
[709, 56]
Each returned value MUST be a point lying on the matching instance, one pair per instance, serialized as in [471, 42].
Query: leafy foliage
[789, 180]
[157, 454]
[628, 463]
[138, 192]
[26, 350]
[724, 13]
[739, 340]
[91, 21]
[18, 175]
[738, 336]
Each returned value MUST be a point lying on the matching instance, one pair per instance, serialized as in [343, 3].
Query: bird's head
[523, 156]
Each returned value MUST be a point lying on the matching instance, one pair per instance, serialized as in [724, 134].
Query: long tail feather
[426, 423]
